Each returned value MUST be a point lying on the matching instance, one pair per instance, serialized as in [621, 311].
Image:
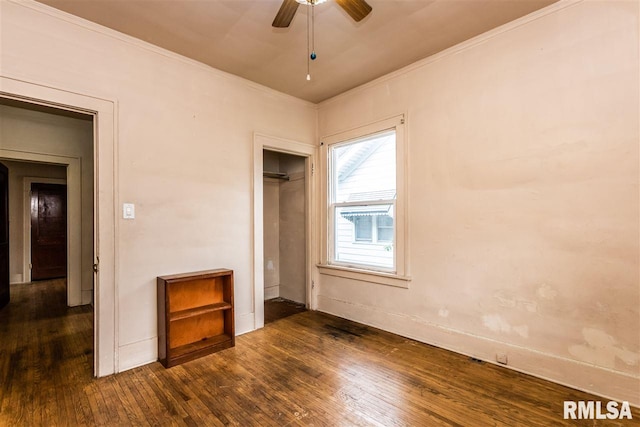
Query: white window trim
[400, 277]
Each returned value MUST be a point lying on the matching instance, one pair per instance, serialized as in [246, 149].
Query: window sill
[388, 279]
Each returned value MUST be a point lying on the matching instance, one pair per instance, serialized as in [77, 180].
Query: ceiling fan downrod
[311, 2]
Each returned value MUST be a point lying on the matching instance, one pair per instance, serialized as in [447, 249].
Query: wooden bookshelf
[195, 315]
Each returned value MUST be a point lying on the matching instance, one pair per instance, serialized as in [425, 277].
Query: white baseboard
[578, 375]
[137, 354]
[16, 279]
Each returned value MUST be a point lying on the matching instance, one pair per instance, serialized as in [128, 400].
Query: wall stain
[600, 349]
[546, 292]
[497, 323]
[510, 301]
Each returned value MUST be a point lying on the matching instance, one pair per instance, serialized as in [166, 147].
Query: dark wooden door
[48, 231]
[4, 235]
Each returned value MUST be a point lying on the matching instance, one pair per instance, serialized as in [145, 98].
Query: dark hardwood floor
[309, 369]
[279, 308]
[46, 356]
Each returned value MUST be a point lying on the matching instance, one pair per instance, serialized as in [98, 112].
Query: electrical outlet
[501, 358]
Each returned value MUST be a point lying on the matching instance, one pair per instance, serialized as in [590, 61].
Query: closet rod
[276, 175]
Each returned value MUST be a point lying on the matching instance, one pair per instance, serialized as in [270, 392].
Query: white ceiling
[236, 35]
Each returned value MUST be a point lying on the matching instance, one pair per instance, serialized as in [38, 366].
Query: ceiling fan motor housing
[357, 9]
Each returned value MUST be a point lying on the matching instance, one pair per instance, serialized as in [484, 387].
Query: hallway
[45, 348]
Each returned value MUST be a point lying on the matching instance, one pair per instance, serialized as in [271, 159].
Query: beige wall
[23, 130]
[523, 197]
[292, 234]
[184, 154]
[18, 171]
[271, 218]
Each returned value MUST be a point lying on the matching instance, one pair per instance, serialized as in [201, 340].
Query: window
[365, 229]
[363, 202]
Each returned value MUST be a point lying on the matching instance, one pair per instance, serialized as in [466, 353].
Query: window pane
[385, 221]
[385, 228]
[363, 173]
[363, 228]
[365, 169]
[352, 223]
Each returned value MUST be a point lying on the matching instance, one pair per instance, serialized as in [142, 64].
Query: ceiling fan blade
[357, 9]
[285, 14]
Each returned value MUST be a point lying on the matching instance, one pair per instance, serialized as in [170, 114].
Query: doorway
[53, 218]
[269, 144]
[57, 242]
[49, 159]
[284, 215]
[103, 113]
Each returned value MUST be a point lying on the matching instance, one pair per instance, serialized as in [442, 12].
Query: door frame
[105, 191]
[26, 235]
[74, 213]
[271, 143]
[5, 280]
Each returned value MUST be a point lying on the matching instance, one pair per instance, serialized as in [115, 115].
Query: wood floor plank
[354, 370]
[309, 369]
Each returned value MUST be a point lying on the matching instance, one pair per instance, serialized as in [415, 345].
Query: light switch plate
[128, 211]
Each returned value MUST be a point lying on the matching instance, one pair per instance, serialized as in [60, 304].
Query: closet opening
[285, 246]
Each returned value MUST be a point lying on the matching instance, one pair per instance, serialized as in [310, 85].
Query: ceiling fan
[357, 9]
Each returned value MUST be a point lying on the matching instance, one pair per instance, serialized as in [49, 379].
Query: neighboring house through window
[373, 228]
[372, 224]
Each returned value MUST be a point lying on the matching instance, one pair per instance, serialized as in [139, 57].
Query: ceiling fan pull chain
[313, 32]
[308, 43]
